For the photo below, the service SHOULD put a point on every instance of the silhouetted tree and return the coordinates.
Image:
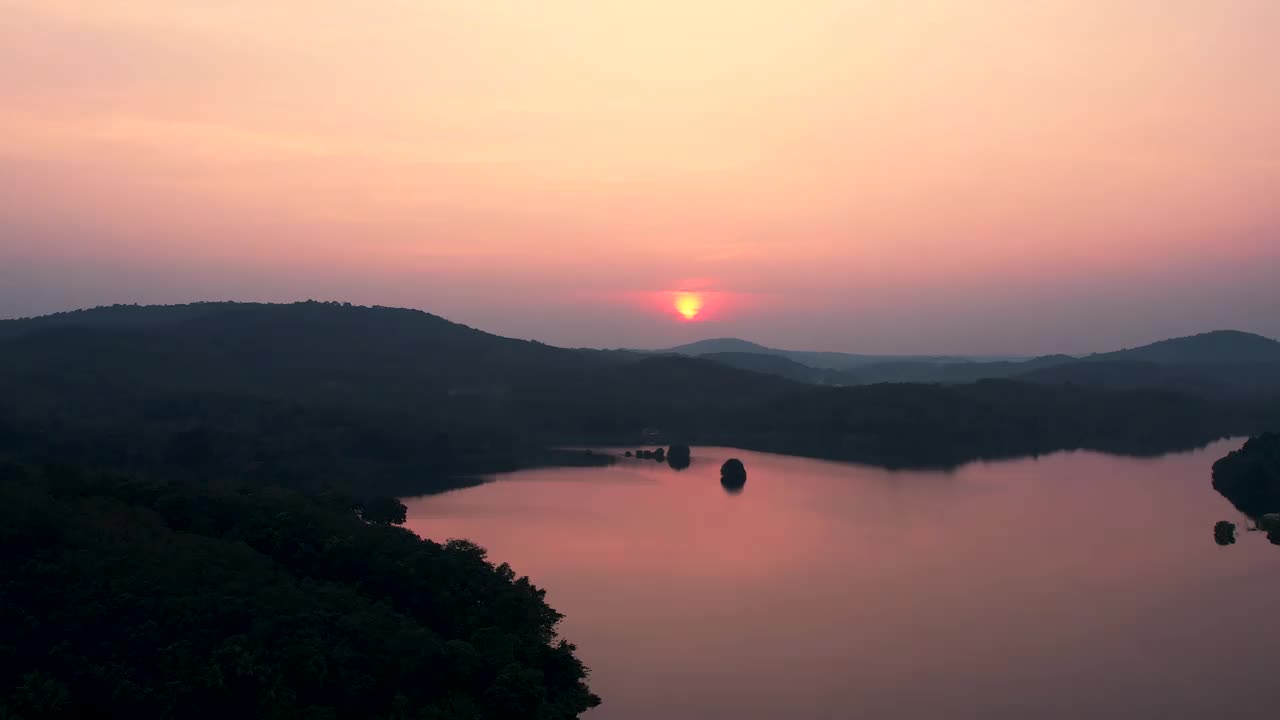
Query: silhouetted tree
(1224, 533)
(733, 474)
(1270, 523)
(678, 457)
(1250, 477)
(384, 511)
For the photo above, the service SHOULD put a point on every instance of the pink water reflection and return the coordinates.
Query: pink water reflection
(1062, 587)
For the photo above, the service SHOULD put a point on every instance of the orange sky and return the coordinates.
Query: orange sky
(908, 176)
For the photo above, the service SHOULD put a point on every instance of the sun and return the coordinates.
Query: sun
(688, 305)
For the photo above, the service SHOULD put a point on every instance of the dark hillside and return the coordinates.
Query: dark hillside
(778, 365)
(1238, 381)
(381, 400)
(945, 425)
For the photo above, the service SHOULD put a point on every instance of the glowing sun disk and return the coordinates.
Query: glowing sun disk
(688, 305)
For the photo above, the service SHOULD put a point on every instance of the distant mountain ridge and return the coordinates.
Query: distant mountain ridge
(1221, 364)
(1218, 347)
(826, 360)
(781, 366)
(1216, 361)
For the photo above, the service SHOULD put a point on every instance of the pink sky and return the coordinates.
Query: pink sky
(979, 176)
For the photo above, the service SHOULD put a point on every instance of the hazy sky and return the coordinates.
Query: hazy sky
(911, 176)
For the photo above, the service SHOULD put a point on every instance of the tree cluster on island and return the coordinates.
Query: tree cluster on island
(659, 454)
(1224, 532)
(733, 475)
(1250, 479)
(678, 457)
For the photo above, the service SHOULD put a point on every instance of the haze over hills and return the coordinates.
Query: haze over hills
(1212, 364)
(816, 359)
(780, 365)
(1222, 360)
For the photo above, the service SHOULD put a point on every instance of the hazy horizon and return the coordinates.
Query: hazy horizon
(925, 177)
(707, 327)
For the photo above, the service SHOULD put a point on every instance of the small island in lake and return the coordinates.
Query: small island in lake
(679, 457)
(1224, 533)
(733, 475)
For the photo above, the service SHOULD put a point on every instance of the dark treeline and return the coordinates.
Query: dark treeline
(945, 425)
(209, 435)
(388, 401)
(376, 399)
(197, 600)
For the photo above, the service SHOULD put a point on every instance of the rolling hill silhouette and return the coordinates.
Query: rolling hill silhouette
(402, 401)
(1222, 363)
(1219, 347)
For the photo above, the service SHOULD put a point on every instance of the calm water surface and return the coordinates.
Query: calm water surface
(1069, 586)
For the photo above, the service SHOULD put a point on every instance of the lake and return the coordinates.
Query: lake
(1066, 586)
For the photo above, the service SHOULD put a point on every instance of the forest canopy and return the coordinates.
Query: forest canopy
(1250, 477)
(173, 599)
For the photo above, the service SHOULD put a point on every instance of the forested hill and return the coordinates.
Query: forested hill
(823, 360)
(383, 354)
(315, 393)
(399, 401)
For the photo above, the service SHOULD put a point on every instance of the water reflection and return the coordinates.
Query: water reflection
(1073, 585)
